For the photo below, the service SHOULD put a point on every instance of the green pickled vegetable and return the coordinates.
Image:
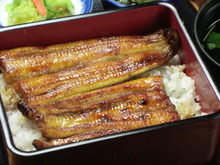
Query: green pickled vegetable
(124, 2)
(142, 1)
(213, 41)
(24, 11)
(59, 8)
(133, 2)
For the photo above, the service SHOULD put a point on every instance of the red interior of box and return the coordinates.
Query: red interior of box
(125, 22)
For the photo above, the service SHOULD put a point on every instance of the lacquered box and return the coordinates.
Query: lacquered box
(189, 141)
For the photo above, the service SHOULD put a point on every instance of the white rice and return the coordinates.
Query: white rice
(24, 131)
(179, 87)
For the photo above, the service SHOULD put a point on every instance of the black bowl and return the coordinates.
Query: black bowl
(208, 15)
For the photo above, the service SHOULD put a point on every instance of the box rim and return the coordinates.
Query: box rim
(3, 116)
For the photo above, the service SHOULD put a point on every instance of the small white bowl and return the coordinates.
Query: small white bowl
(81, 7)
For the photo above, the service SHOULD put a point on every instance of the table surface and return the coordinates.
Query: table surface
(186, 10)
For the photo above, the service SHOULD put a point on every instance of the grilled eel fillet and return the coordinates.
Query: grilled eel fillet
(143, 119)
(28, 62)
(53, 87)
(94, 98)
(145, 104)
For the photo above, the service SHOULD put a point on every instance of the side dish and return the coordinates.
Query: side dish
(132, 2)
(76, 91)
(15, 12)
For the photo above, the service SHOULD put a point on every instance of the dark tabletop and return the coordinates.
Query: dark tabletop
(186, 11)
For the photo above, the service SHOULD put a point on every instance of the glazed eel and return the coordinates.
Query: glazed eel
(144, 104)
(28, 62)
(84, 91)
(56, 86)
